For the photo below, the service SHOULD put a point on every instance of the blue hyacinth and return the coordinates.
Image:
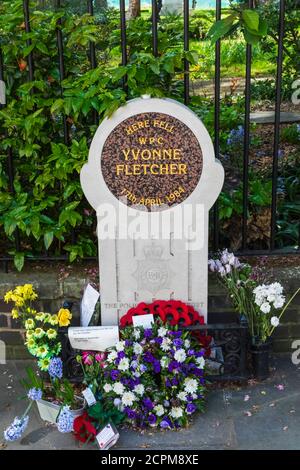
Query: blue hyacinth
(65, 420)
(55, 368)
(16, 429)
(236, 136)
(34, 394)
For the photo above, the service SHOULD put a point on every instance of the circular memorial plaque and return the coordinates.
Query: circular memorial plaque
(153, 160)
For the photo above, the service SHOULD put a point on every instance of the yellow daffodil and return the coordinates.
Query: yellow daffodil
(53, 320)
(38, 333)
(8, 296)
(64, 317)
(51, 333)
(15, 313)
(29, 324)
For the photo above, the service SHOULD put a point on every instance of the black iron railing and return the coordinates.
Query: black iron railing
(5, 257)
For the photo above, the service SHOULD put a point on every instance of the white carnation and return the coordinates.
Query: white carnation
(176, 412)
(190, 385)
(265, 307)
(162, 331)
(139, 389)
(128, 398)
(137, 333)
(180, 355)
(124, 364)
(118, 388)
(279, 301)
(107, 388)
(182, 396)
(164, 362)
(200, 362)
(187, 343)
(120, 345)
(137, 348)
(159, 410)
(112, 356)
(274, 321)
(165, 345)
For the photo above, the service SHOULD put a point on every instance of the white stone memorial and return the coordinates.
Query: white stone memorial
(152, 177)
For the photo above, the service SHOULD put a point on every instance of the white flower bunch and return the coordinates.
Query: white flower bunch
(268, 296)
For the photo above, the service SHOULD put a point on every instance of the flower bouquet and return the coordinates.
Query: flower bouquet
(156, 376)
(260, 303)
(43, 343)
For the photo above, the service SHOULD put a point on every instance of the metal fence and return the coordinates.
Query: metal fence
(217, 98)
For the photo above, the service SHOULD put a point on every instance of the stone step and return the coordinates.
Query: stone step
(268, 117)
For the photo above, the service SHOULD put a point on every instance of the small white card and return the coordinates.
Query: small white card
(146, 321)
(107, 437)
(89, 396)
(93, 338)
(88, 304)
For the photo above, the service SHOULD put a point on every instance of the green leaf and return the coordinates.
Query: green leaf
(251, 38)
(48, 239)
(251, 19)
(220, 28)
(19, 261)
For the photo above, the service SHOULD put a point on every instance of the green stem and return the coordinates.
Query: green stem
(284, 308)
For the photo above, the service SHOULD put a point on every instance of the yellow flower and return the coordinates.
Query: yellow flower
(51, 333)
(8, 296)
(44, 363)
(38, 333)
(64, 317)
(29, 324)
(53, 320)
(15, 313)
(42, 351)
(29, 333)
(19, 301)
(30, 343)
(40, 316)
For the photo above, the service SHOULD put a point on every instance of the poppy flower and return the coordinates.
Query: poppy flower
(171, 315)
(184, 319)
(83, 428)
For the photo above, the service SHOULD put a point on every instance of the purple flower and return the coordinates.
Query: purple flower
(55, 368)
(191, 352)
(148, 357)
(177, 334)
(158, 340)
(131, 414)
(143, 368)
(168, 383)
(121, 354)
(16, 429)
(166, 423)
(173, 365)
(128, 343)
(34, 394)
(148, 403)
(156, 366)
(65, 420)
(166, 403)
(178, 343)
(114, 374)
(191, 408)
(152, 419)
(174, 381)
(148, 332)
